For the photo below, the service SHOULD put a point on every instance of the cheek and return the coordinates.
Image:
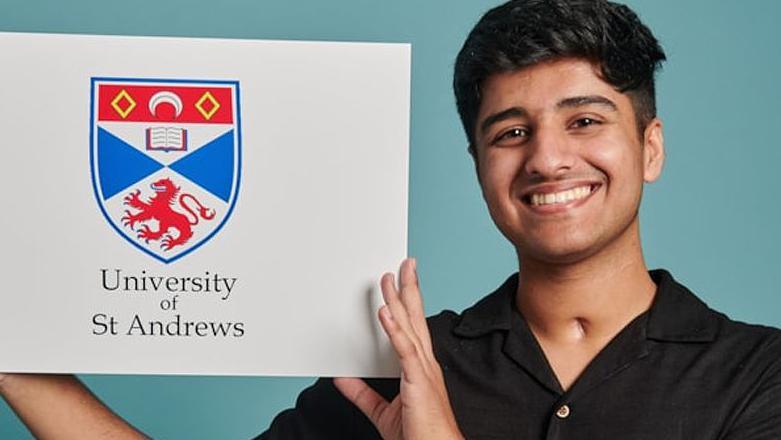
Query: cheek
(498, 171)
(621, 164)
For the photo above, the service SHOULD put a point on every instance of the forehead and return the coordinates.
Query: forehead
(542, 86)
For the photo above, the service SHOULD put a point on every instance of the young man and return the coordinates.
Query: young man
(557, 100)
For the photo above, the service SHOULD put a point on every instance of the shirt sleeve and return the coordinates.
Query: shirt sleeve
(761, 417)
(322, 413)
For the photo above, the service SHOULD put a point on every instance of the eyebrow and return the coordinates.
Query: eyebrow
(512, 112)
(578, 101)
(575, 101)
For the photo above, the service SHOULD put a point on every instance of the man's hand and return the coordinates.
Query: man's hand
(422, 408)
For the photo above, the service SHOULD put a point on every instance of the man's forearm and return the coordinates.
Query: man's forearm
(60, 407)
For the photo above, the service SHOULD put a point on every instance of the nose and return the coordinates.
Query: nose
(549, 153)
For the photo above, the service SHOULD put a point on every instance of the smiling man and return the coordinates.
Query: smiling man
(557, 100)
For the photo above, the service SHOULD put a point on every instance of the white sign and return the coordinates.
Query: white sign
(199, 206)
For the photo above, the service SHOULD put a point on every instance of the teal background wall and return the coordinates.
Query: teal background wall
(713, 218)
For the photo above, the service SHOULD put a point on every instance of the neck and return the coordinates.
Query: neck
(588, 300)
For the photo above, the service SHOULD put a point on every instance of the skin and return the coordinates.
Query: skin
(60, 407)
(543, 129)
(569, 128)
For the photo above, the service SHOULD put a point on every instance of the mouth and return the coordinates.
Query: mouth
(569, 196)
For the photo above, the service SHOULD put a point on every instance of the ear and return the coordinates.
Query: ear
(653, 151)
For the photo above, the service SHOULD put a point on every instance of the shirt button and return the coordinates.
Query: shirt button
(563, 412)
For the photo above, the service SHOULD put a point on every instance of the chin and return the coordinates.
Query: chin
(564, 252)
(568, 246)
(557, 257)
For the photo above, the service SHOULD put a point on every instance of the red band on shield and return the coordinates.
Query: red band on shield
(141, 103)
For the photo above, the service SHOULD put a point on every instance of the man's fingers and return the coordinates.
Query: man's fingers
(406, 306)
(413, 303)
(410, 357)
(403, 320)
(397, 309)
(363, 396)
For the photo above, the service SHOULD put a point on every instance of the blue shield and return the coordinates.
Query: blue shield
(165, 158)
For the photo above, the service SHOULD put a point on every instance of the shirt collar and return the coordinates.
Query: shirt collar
(494, 312)
(676, 314)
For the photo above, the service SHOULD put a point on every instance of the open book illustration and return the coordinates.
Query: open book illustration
(166, 139)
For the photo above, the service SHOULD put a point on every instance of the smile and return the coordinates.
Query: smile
(561, 197)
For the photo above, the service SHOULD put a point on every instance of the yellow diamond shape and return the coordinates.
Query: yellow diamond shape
(128, 100)
(214, 105)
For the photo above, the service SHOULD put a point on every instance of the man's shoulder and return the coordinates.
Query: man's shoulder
(740, 329)
(493, 312)
(682, 319)
(728, 329)
(748, 357)
(680, 315)
(442, 325)
(760, 339)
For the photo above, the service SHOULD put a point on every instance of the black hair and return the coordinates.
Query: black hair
(521, 33)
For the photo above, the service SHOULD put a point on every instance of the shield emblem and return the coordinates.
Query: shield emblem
(165, 157)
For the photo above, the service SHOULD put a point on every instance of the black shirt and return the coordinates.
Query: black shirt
(678, 371)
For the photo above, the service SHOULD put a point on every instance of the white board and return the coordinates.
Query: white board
(296, 151)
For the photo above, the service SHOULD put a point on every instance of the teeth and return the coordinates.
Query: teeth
(580, 192)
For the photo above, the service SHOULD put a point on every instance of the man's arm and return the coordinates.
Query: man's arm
(761, 418)
(60, 407)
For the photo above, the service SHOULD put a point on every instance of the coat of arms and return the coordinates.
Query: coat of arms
(166, 160)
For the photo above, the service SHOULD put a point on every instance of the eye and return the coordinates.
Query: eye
(512, 136)
(585, 122)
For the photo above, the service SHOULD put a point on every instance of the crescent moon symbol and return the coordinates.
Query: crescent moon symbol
(165, 96)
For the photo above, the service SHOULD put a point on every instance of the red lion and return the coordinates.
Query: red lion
(159, 207)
